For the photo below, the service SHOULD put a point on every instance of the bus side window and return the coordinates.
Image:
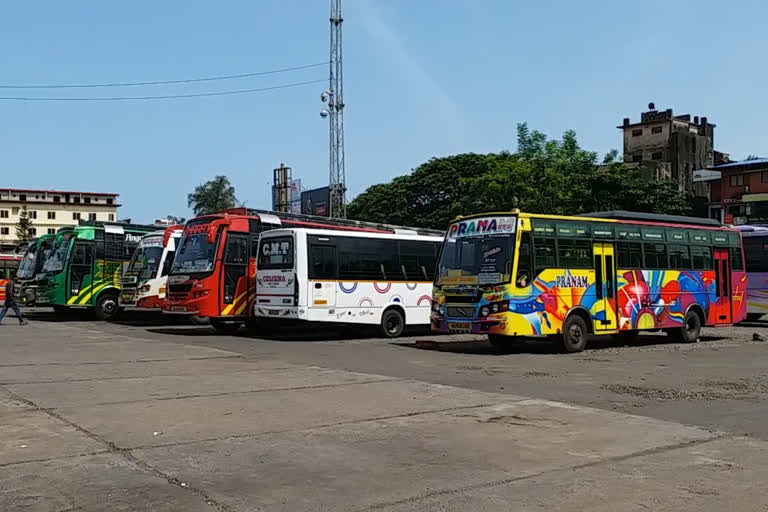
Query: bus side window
(545, 252)
(322, 259)
(524, 261)
(167, 264)
(737, 264)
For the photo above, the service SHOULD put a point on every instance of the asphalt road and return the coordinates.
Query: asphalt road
(146, 416)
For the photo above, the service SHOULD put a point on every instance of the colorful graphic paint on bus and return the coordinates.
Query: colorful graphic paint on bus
(645, 299)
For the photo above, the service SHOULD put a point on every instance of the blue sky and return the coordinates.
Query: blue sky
(422, 79)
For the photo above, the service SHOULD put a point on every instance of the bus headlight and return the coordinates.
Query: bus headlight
(494, 307)
(485, 311)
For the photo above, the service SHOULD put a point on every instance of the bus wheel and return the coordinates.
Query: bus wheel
(392, 323)
(754, 317)
(574, 337)
(225, 327)
(689, 332)
(107, 306)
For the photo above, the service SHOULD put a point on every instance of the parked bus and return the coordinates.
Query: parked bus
(145, 280)
(85, 264)
(756, 255)
(517, 274)
(9, 265)
(36, 252)
(320, 275)
(214, 272)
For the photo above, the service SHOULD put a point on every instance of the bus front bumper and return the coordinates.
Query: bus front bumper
(445, 325)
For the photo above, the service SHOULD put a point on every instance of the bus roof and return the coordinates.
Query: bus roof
(359, 234)
(654, 217)
(314, 221)
(121, 225)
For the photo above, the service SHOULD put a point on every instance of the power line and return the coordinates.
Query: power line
(168, 97)
(163, 82)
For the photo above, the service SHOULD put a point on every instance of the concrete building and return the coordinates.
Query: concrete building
(670, 146)
(744, 191)
(50, 209)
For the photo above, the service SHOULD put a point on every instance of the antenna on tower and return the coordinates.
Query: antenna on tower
(334, 98)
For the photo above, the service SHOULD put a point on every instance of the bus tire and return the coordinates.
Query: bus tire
(575, 332)
(107, 307)
(754, 317)
(392, 323)
(689, 332)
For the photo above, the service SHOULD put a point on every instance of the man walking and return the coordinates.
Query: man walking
(11, 303)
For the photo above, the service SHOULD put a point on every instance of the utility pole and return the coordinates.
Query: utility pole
(334, 97)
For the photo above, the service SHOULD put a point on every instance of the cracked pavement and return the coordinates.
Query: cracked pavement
(131, 417)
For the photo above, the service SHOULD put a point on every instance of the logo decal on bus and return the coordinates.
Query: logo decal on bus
(482, 226)
(572, 281)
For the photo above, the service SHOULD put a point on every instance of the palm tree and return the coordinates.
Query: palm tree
(212, 197)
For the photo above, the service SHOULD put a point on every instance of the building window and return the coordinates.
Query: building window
(56, 199)
(657, 129)
(51, 215)
(656, 156)
(737, 180)
(637, 132)
(3, 214)
(15, 210)
(764, 176)
(76, 216)
(637, 158)
(91, 216)
(32, 214)
(76, 199)
(110, 201)
(87, 200)
(32, 231)
(22, 197)
(112, 216)
(51, 231)
(5, 231)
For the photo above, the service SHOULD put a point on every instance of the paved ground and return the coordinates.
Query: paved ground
(151, 417)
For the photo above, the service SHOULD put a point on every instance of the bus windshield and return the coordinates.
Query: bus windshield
(484, 260)
(195, 254)
(58, 256)
(28, 263)
(276, 253)
(145, 262)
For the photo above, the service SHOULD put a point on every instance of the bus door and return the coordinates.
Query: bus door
(722, 286)
(323, 269)
(235, 284)
(80, 270)
(604, 314)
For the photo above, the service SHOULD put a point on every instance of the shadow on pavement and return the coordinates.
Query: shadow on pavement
(542, 345)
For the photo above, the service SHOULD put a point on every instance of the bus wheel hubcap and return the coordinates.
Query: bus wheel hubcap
(575, 332)
(108, 306)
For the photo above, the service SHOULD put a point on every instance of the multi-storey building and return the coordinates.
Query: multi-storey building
(669, 146)
(48, 210)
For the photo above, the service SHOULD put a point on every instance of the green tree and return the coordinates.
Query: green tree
(24, 225)
(212, 197)
(543, 176)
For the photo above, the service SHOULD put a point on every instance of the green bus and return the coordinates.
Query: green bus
(36, 252)
(84, 267)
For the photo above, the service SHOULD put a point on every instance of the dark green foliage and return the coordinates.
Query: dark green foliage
(544, 176)
(212, 197)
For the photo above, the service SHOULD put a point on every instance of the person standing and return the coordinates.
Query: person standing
(11, 303)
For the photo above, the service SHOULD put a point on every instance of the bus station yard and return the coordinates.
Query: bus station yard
(149, 416)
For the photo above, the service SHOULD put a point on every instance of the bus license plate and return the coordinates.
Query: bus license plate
(460, 327)
(179, 309)
(273, 312)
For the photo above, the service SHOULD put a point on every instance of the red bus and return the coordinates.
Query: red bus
(214, 271)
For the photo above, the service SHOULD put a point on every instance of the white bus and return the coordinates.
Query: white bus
(144, 282)
(320, 275)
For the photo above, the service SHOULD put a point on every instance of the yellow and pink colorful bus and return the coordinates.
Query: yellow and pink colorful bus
(517, 274)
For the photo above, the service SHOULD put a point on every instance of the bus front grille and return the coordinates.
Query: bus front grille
(460, 311)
